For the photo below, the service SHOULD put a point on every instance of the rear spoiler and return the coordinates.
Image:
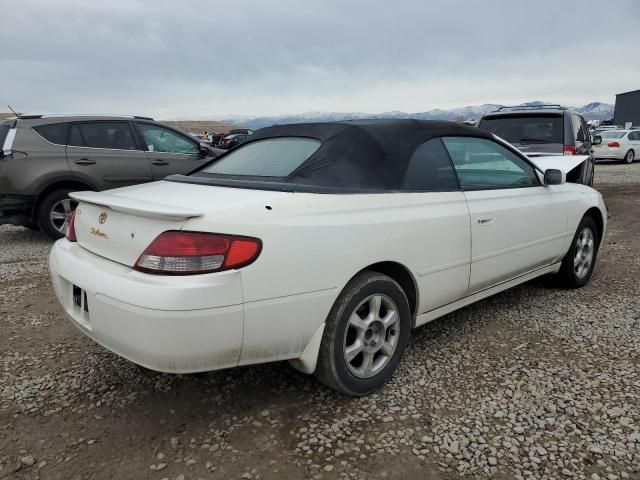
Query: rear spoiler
(566, 163)
(139, 208)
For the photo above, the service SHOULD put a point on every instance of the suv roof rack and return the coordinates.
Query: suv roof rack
(554, 106)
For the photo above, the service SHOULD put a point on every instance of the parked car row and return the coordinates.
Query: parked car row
(224, 141)
(46, 157)
(545, 130)
(555, 130)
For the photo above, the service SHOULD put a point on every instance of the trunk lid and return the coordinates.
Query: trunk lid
(120, 224)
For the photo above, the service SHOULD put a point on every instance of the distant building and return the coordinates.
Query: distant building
(627, 108)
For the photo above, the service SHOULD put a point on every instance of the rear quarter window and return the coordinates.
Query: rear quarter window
(54, 133)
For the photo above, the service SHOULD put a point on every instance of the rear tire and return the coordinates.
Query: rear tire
(579, 262)
(365, 335)
(54, 212)
(629, 157)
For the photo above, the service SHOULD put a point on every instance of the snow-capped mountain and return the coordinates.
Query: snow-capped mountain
(596, 111)
(591, 111)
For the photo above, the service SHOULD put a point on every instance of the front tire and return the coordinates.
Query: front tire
(54, 213)
(365, 336)
(629, 156)
(577, 266)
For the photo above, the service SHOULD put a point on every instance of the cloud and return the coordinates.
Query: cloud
(253, 57)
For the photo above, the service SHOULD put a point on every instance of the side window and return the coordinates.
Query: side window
(585, 129)
(580, 132)
(163, 140)
(75, 137)
(484, 164)
(109, 135)
(53, 133)
(430, 169)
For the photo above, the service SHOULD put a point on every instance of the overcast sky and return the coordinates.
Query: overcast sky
(196, 58)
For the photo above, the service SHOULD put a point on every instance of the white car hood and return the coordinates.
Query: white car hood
(565, 163)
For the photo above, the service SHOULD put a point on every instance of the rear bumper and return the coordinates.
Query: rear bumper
(151, 320)
(609, 154)
(16, 209)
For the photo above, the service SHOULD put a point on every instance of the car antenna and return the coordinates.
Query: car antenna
(14, 112)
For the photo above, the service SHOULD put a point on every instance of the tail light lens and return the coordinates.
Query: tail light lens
(569, 150)
(191, 253)
(71, 227)
(613, 145)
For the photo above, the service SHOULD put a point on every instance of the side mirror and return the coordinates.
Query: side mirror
(597, 140)
(205, 151)
(554, 177)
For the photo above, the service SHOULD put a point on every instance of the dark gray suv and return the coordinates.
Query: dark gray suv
(545, 130)
(44, 158)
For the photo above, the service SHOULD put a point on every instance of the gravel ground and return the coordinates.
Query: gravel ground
(532, 383)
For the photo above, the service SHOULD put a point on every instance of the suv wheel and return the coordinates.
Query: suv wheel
(629, 157)
(365, 336)
(54, 212)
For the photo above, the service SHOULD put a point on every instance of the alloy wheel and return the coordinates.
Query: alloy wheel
(629, 157)
(583, 257)
(371, 336)
(60, 214)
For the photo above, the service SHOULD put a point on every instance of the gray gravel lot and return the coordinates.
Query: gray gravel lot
(533, 383)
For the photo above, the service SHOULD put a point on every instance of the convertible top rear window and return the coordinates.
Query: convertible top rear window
(274, 157)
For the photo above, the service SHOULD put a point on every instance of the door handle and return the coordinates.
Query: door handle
(160, 162)
(85, 161)
(485, 220)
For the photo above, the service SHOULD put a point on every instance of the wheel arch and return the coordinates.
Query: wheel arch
(58, 184)
(598, 217)
(307, 361)
(403, 276)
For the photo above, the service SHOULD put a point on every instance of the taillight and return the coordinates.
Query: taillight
(71, 227)
(190, 253)
(569, 150)
(613, 145)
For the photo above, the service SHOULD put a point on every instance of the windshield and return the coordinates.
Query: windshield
(274, 157)
(613, 134)
(526, 129)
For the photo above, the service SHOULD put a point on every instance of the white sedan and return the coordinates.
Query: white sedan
(321, 244)
(618, 145)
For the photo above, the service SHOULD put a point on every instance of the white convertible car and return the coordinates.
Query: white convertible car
(323, 244)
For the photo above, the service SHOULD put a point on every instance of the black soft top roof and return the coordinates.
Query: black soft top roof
(353, 155)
